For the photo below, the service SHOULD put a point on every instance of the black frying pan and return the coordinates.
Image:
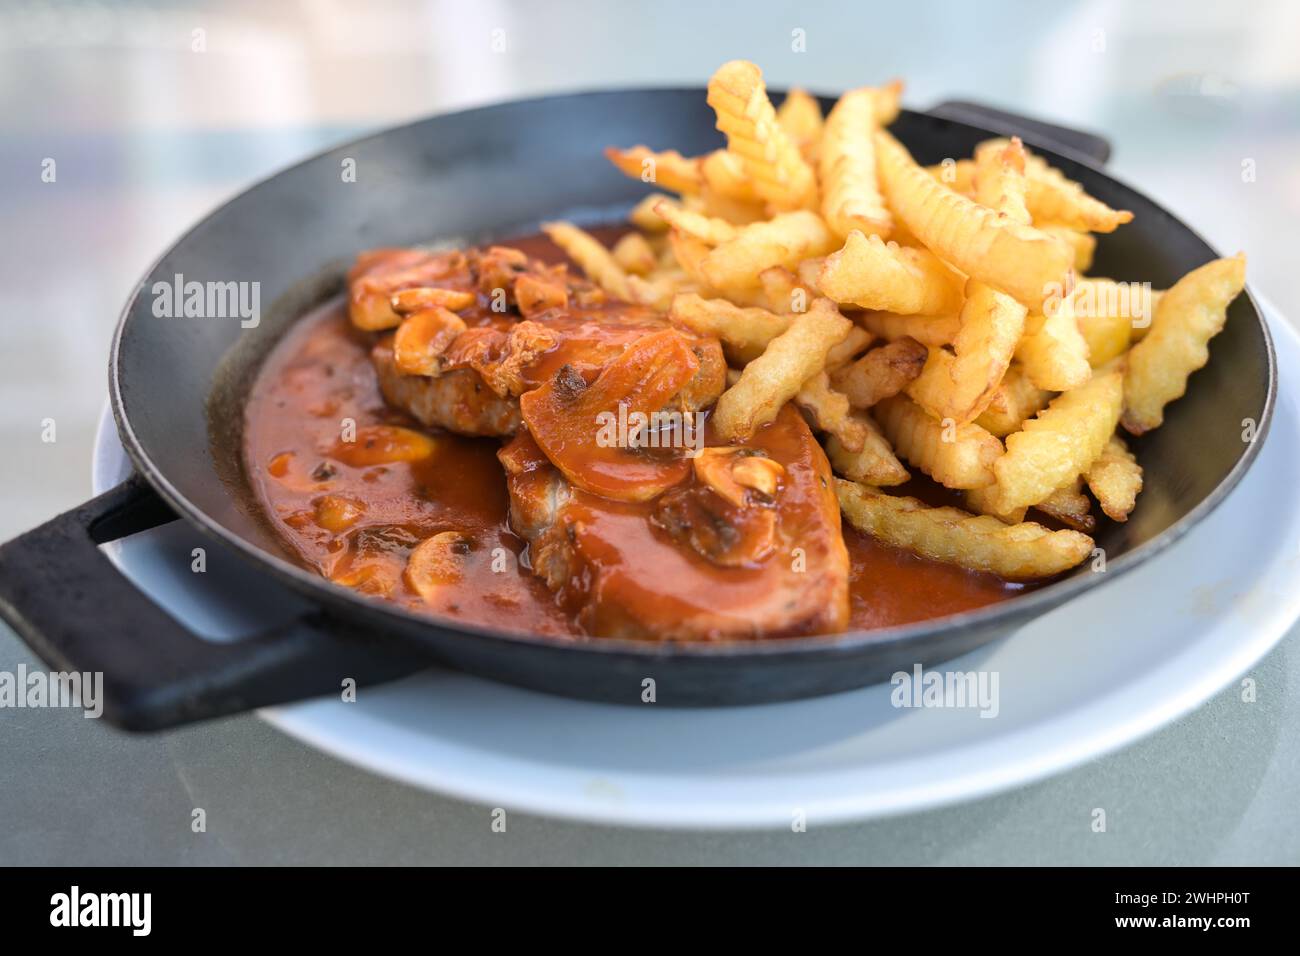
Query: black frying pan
(178, 386)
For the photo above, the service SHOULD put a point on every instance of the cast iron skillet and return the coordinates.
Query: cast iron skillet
(178, 386)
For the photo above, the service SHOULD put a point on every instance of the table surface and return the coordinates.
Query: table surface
(155, 115)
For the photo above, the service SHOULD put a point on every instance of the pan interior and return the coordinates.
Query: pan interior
(179, 383)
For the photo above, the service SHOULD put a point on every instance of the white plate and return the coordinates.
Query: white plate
(1086, 679)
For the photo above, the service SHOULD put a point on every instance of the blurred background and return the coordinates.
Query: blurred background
(154, 112)
(149, 114)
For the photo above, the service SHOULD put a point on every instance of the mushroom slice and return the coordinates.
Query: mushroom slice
(734, 472)
(437, 562)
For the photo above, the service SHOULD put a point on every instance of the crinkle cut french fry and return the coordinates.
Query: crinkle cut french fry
(961, 385)
(1052, 197)
(986, 501)
(956, 456)
(1010, 256)
(644, 216)
(929, 330)
(689, 254)
(980, 543)
(669, 168)
(735, 211)
(882, 372)
(784, 290)
(1060, 442)
(1014, 400)
(707, 229)
(957, 174)
(592, 257)
(783, 240)
(876, 275)
(800, 115)
(853, 345)
(1083, 244)
(633, 253)
(772, 379)
(1109, 313)
(1000, 181)
(851, 197)
(1115, 478)
(744, 332)
(1052, 350)
(771, 158)
(1070, 506)
(872, 461)
(724, 173)
(1190, 314)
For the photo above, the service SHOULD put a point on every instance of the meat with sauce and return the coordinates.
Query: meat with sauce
(639, 526)
(748, 545)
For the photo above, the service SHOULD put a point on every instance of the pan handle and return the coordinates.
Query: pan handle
(1035, 132)
(72, 606)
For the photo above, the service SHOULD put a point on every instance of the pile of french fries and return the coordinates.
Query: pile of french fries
(937, 319)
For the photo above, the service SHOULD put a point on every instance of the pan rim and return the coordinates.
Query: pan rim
(1011, 612)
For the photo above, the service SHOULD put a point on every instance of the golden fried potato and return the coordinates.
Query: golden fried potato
(784, 291)
(1060, 442)
(1010, 256)
(876, 275)
(851, 197)
(724, 173)
(1054, 198)
(1000, 180)
(863, 454)
(1108, 313)
(1070, 506)
(960, 385)
(1014, 400)
(829, 408)
(881, 373)
(1016, 552)
(987, 501)
(592, 257)
(957, 174)
(708, 230)
(744, 332)
(784, 240)
(854, 344)
(776, 376)
(770, 156)
(644, 216)
(1115, 478)
(669, 168)
(634, 254)
(955, 455)
(659, 289)
(735, 211)
(929, 330)
(1190, 314)
(800, 115)
(1083, 244)
(1052, 350)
